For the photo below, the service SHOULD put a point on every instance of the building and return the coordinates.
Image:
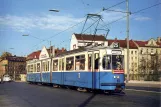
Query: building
(34, 59)
(147, 52)
(80, 40)
(13, 66)
(141, 53)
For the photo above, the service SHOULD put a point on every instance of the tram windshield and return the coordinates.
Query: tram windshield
(106, 62)
(117, 62)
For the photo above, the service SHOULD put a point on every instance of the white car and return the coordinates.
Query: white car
(6, 78)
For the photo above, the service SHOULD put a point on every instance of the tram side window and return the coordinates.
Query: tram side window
(80, 62)
(48, 65)
(34, 68)
(117, 62)
(70, 63)
(89, 61)
(55, 65)
(31, 68)
(28, 68)
(96, 60)
(38, 67)
(106, 62)
(60, 64)
(63, 64)
(43, 66)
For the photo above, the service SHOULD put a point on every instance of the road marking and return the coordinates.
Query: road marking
(143, 91)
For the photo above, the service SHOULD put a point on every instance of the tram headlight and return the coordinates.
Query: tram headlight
(118, 76)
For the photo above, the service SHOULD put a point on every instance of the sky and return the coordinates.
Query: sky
(33, 18)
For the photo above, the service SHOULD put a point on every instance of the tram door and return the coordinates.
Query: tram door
(93, 67)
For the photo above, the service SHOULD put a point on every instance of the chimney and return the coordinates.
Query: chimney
(63, 49)
(159, 39)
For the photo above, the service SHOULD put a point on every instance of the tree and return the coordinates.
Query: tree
(150, 67)
(5, 54)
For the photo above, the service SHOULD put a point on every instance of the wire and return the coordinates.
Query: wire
(78, 23)
(146, 8)
(116, 4)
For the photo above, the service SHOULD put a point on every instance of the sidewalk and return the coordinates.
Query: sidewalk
(144, 83)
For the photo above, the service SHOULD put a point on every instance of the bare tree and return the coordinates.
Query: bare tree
(149, 68)
(5, 54)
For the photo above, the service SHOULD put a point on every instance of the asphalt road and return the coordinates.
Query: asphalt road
(19, 94)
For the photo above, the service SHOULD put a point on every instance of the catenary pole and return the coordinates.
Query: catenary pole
(127, 31)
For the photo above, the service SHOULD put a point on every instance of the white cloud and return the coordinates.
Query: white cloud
(142, 18)
(21, 24)
(48, 21)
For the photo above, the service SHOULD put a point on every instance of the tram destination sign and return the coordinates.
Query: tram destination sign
(116, 52)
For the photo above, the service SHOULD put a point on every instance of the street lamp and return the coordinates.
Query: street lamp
(54, 10)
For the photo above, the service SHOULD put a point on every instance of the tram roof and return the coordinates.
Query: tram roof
(82, 49)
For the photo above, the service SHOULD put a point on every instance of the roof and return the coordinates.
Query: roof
(159, 44)
(34, 55)
(123, 43)
(90, 37)
(16, 58)
(141, 43)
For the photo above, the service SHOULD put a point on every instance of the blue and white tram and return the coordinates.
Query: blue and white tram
(99, 68)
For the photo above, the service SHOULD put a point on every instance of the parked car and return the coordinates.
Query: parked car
(7, 78)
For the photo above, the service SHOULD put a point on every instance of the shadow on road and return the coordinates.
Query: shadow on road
(87, 100)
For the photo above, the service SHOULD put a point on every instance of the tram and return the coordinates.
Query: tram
(97, 68)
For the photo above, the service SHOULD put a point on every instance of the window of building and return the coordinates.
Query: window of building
(141, 51)
(80, 62)
(135, 52)
(55, 65)
(74, 46)
(152, 51)
(70, 63)
(131, 52)
(106, 62)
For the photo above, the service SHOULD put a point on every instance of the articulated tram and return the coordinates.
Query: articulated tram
(98, 68)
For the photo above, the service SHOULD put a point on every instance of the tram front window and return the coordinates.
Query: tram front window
(117, 62)
(106, 62)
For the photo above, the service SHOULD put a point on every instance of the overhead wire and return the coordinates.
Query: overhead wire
(78, 23)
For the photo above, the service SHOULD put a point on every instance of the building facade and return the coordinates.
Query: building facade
(81, 40)
(13, 66)
(144, 56)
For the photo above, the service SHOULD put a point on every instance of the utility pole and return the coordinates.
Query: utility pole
(50, 50)
(127, 7)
